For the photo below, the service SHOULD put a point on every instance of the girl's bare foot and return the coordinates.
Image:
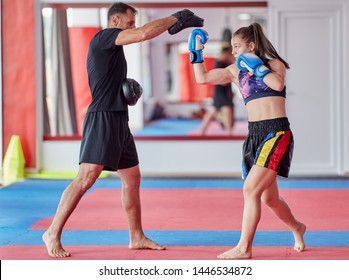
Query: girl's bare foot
(145, 243)
(298, 234)
(54, 247)
(235, 253)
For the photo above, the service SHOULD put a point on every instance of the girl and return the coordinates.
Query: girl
(260, 73)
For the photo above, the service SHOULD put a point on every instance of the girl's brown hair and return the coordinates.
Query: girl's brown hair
(263, 48)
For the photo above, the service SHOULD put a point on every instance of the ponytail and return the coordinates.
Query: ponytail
(263, 47)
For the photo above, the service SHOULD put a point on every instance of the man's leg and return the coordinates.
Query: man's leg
(131, 203)
(207, 119)
(228, 119)
(88, 174)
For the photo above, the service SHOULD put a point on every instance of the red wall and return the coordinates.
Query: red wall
(79, 39)
(189, 90)
(19, 87)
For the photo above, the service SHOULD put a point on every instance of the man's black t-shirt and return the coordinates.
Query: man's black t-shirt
(106, 68)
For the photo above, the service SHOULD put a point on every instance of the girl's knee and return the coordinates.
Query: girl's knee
(270, 201)
(251, 191)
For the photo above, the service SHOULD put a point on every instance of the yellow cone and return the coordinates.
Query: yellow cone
(13, 166)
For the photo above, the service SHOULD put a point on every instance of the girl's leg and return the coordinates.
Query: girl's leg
(257, 181)
(281, 209)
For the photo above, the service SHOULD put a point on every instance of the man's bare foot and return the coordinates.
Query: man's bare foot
(54, 247)
(235, 253)
(145, 243)
(299, 244)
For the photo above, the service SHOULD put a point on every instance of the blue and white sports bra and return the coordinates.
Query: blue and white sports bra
(252, 88)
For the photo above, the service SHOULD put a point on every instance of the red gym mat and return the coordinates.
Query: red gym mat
(172, 253)
(204, 209)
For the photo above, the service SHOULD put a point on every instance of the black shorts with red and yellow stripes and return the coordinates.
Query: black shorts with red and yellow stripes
(269, 144)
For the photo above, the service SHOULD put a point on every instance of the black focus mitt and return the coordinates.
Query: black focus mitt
(132, 91)
(185, 19)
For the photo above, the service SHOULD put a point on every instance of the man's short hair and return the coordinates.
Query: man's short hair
(119, 8)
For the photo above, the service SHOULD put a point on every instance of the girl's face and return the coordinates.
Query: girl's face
(240, 46)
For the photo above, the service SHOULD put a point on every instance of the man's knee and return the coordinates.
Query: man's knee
(130, 177)
(87, 176)
(132, 182)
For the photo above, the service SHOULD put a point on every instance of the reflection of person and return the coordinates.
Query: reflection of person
(260, 73)
(222, 97)
(158, 112)
(107, 142)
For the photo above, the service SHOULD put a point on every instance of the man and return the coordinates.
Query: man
(107, 143)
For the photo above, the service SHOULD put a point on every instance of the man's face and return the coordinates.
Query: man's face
(127, 21)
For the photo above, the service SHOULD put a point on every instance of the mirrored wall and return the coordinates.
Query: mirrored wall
(170, 104)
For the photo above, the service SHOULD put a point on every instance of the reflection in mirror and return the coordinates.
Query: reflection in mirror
(170, 107)
(66, 35)
(179, 105)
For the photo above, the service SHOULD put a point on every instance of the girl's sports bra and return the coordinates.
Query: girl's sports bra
(252, 88)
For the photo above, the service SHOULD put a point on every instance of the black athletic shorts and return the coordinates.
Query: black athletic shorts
(107, 140)
(269, 143)
(222, 98)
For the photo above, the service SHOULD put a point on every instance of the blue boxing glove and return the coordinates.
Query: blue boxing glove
(249, 62)
(196, 41)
